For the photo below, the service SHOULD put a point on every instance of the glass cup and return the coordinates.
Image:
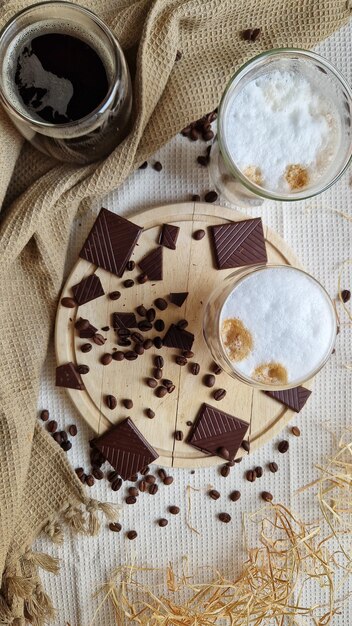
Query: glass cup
(98, 132)
(246, 188)
(214, 316)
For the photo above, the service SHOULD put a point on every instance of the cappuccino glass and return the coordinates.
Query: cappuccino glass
(80, 119)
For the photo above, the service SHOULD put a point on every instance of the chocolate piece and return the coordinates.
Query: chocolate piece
(152, 264)
(88, 289)
(215, 429)
(67, 376)
(178, 298)
(294, 399)
(111, 242)
(126, 449)
(88, 333)
(239, 243)
(178, 338)
(124, 320)
(168, 236)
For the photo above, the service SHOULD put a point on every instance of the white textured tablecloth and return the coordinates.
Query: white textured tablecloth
(322, 240)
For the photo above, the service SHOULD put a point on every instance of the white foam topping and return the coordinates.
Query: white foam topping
(289, 316)
(278, 120)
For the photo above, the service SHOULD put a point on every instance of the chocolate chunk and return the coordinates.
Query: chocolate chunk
(88, 332)
(88, 289)
(67, 376)
(178, 338)
(251, 34)
(239, 243)
(124, 320)
(111, 242)
(178, 55)
(214, 429)
(168, 236)
(126, 449)
(68, 303)
(152, 264)
(294, 399)
(178, 298)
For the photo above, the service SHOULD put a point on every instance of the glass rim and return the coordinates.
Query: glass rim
(235, 373)
(111, 91)
(235, 171)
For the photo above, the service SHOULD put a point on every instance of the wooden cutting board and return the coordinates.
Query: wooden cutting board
(188, 268)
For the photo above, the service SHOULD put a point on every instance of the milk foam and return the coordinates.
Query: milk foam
(280, 120)
(289, 317)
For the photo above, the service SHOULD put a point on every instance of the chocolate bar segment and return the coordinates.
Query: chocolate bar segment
(124, 320)
(178, 298)
(178, 338)
(126, 449)
(152, 264)
(111, 242)
(294, 399)
(67, 376)
(217, 432)
(88, 289)
(239, 243)
(168, 236)
(88, 333)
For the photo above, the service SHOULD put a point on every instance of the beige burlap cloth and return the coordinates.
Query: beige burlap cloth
(38, 488)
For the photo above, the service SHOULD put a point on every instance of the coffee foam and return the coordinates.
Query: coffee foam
(289, 317)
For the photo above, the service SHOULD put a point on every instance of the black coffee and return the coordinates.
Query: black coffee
(60, 78)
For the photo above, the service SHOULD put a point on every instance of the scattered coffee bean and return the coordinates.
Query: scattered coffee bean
(168, 480)
(138, 348)
(115, 527)
(114, 295)
(283, 446)
(219, 394)
(216, 369)
(133, 491)
(151, 315)
(345, 295)
(141, 310)
(147, 344)
(222, 451)
(224, 517)
(167, 383)
(160, 304)
(143, 166)
(111, 402)
(153, 489)
(124, 342)
(92, 442)
(106, 359)
(150, 479)
(57, 437)
(72, 429)
(149, 413)
(251, 34)
(171, 388)
(82, 369)
(225, 471)
(195, 369)
(123, 332)
(181, 360)
(258, 471)
(52, 426)
(145, 470)
(118, 355)
(128, 283)
(44, 415)
(116, 484)
(162, 522)
(142, 486)
(239, 460)
(178, 55)
(178, 435)
(202, 160)
(98, 473)
(98, 339)
(133, 478)
(82, 324)
(208, 135)
(273, 467)
(83, 479)
(105, 329)
(131, 355)
(86, 347)
(144, 326)
(267, 496)
(245, 445)
(151, 382)
(158, 342)
(130, 500)
(235, 495)
(157, 373)
(209, 380)
(230, 463)
(161, 392)
(142, 278)
(130, 266)
(79, 471)
(296, 431)
(211, 196)
(251, 476)
(162, 474)
(199, 234)
(68, 303)
(66, 446)
(174, 510)
(182, 324)
(158, 361)
(137, 337)
(132, 534)
(128, 404)
(157, 166)
(215, 495)
(195, 198)
(64, 435)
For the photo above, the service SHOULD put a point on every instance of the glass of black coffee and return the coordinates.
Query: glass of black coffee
(64, 81)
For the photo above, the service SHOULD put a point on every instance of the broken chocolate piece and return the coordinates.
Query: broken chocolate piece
(67, 376)
(178, 298)
(88, 289)
(152, 264)
(88, 333)
(168, 236)
(215, 430)
(294, 399)
(239, 243)
(178, 338)
(124, 320)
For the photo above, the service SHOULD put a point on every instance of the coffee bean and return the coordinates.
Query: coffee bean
(145, 470)
(142, 486)
(153, 489)
(158, 342)
(144, 326)
(130, 500)
(159, 326)
(239, 460)
(182, 324)
(142, 278)
(128, 404)
(202, 160)
(222, 451)
(123, 332)
(251, 476)
(181, 360)
(149, 413)
(208, 135)
(98, 473)
(118, 355)
(160, 304)
(195, 369)
(235, 495)
(345, 295)
(124, 342)
(141, 310)
(157, 166)
(66, 446)
(138, 348)
(57, 437)
(167, 383)
(161, 392)
(211, 196)
(82, 324)
(68, 303)
(245, 445)
(162, 474)
(115, 527)
(283, 446)
(151, 315)
(92, 442)
(178, 435)
(195, 198)
(79, 471)
(267, 496)
(151, 382)
(159, 361)
(44, 415)
(116, 484)
(143, 166)
(52, 426)
(114, 295)
(194, 134)
(171, 388)
(132, 534)
(131, 355)
(106, 359)
(162, 522)
(83, 479)
(130, 266)
(86, 347)
(219, 394)
(150, 479)
(174, 510)
(98, 339)
(111, 402)
(188, 354)
(82, 369)
(72, 429)
(133, 478)
(224, 517)
(295, 431)
(225, 470)
(199, 234)
(111, 476)
(147, 344)
(209, 380)
(157, 373)
(273, 467)
(137, 337)
(215, 495)
(128, 283)
(216, 369)
(105, 328)
(178, 55)
(64, 436)
(168, 480)
(258, 471)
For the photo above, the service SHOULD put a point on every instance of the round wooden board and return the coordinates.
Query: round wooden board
(188, 268)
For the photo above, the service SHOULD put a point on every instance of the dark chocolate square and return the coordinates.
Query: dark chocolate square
(178, 298)
(294, 399)
(215, 429)
(88, 333)
(67, 376)
(177, 338)
(168, 236)
(88, 289)
(124, 320)
(152, 264)
(239, 243)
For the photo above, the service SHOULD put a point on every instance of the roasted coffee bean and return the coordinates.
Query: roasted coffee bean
(182, 324)
(195, 198)
(159, 361)
(219, 394)
(267, 496)
(195, 369)
(124, 343)
(239, 460)
(90, 480)
(150, 479)
(114, 295)
(128, 404)
(142, 486)
(235, 495)
(230, 463)
(178, 435)
(178, 55)
(92, 442)
(133, 478)
(79, 471)
(157, 373)
(168, 480)
(161, 391)
(130, 500)
(130, 266)
(82, 324)
(171, 388)
(83, 479)
(149, 413)
(144, 325)
(82, 369)
(131, 355)
(66, 446)
(225, 470)
(167, 383)
(158, 342)
(188, 354)
(86, 347)
(123, 332)
(111, 476)
(151, 315)
(202, 160)
(251, 476)
(64, 435)
(224, 517)
(115, 527)
(118, 355)
(209, 380)
(216, 369)
(162, 522)
(98, 339)
(159, 326)
(273, 467)
(132, 534)
(147, 344)
(98, 473)
(160, 304)
(345, 295)
(44, 415)
(143, 166)
(215, 495)
(106, 359)
(199, 234)
(181, 360)
(151, 382)
(211, 196)
(157, 166)
(174, 510)
(153, 489)
(138, 348)
(57, 437)
(295, 431)
(194, 134)
(208, 135)
(128, 283)
(110, 402)
(258, 471)
(141, 310)
(245, 445)
(137, 337)
(162, 474)
(283, 446)
(72, 429)
(142, 278)
(68, 303)
(116, 484)
(222, 451)
(105, 329)
(52, 426)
